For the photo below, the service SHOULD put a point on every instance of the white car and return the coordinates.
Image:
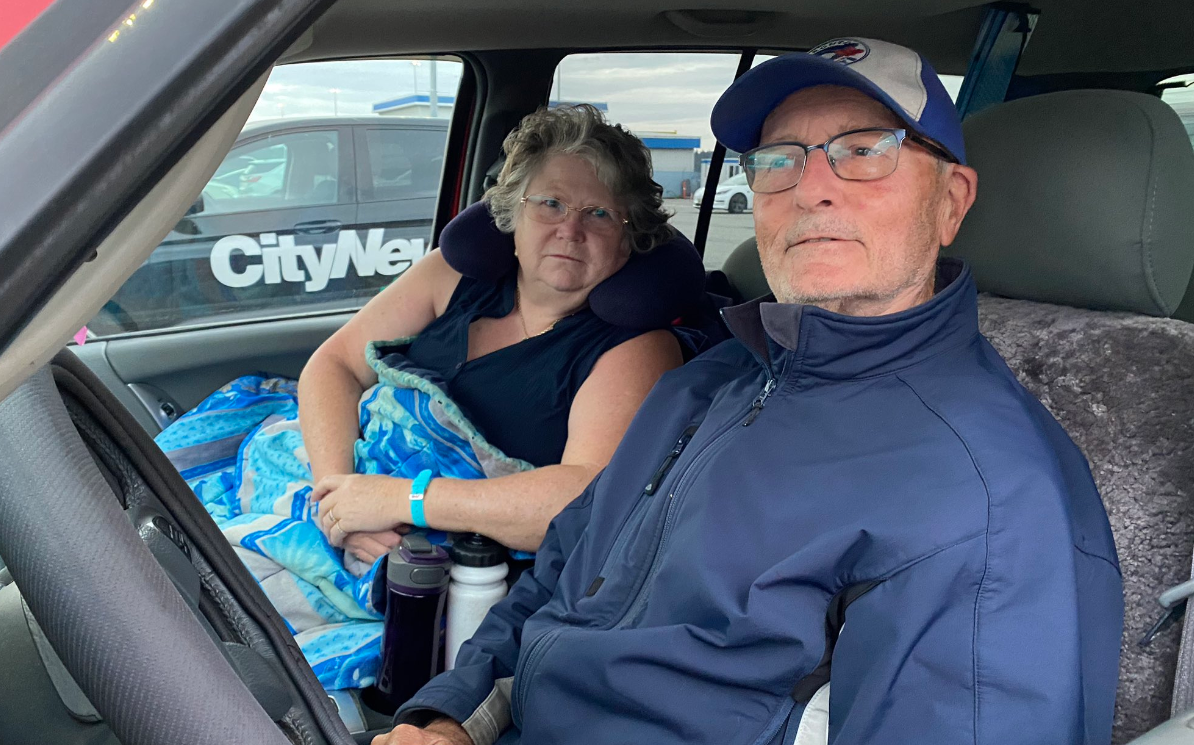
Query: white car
(732, 194)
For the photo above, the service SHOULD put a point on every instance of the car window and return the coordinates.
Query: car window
(296, 169)
(1178, 92)
(404, 163)
(326, 196)
(666, 98)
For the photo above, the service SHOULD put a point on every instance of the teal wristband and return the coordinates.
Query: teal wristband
(418, 490)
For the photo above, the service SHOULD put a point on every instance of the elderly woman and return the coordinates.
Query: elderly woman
(541, 375)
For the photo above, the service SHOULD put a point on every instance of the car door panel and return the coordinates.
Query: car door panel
(184, 367)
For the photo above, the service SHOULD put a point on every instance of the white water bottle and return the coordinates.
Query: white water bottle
(478, 583)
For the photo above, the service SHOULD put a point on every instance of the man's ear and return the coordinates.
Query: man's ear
(960, 189)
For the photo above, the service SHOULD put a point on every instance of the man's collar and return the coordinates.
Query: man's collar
(838, 346)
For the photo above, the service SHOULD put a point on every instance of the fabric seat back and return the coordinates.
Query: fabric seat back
(1083, 234)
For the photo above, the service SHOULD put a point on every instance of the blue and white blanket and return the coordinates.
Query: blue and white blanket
(242, 452)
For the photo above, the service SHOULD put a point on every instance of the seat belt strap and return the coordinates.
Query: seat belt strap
(1005, 32)
(1183, 676)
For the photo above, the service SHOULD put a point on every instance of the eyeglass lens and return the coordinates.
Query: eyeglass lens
(865, 155)
(550, 210)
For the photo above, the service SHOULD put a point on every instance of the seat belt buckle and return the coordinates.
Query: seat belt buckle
(1174, 602)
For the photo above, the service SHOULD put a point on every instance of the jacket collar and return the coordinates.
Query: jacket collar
(831, 345)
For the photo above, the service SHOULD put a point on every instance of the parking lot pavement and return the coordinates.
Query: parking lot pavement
(726, 231)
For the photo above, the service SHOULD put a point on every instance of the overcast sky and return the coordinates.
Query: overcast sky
(647, 92)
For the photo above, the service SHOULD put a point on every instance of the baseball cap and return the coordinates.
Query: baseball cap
(896, 76)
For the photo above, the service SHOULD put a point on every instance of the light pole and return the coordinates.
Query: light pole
(434, 97)
(335, 104)
(414, 75)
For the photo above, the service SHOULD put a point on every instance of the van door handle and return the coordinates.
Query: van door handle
(318, 227)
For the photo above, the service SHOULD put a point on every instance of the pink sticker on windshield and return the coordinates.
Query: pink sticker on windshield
(81, 336)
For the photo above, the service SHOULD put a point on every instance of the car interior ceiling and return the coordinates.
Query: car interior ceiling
(514, 47)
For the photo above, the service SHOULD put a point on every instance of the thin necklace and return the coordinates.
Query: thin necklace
(522, 319)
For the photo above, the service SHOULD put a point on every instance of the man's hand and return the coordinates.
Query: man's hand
(440, 732)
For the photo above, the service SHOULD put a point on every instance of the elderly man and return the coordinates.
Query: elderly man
(854, 495)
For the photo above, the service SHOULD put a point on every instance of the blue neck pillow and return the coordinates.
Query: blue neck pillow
(650, 292)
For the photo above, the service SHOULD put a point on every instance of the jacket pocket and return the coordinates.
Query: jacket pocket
(632, 526)
(524, 671)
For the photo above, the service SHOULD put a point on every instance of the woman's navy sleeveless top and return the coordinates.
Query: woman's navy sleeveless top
(519, 396)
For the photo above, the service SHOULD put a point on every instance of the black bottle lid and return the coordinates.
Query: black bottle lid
(475, 550)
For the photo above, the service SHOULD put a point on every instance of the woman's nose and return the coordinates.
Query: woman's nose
(572, 228)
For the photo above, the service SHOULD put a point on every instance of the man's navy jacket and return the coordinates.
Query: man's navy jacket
(884, 477)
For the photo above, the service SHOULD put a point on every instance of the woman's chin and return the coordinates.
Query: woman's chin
(565, 281)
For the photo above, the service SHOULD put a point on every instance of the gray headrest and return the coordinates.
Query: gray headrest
(1085, 198)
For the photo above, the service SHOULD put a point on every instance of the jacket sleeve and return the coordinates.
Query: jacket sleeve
(968, 646)
(476, 692)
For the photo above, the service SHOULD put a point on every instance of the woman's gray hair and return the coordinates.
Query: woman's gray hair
(622, 162)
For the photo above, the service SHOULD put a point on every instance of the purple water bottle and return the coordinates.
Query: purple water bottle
(416, 580)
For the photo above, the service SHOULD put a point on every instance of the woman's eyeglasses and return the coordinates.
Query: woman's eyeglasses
(857, 155)
(553, 211)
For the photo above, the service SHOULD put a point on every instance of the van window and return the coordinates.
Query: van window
(404, 164)
(298, 169)
(326, 196)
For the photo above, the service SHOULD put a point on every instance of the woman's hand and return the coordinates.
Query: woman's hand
(356, 503)
(369, 547)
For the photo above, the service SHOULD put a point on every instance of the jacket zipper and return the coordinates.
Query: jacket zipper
(640, 600)
(759, 402)
(666, 466)
(535, 651)
(652, 486)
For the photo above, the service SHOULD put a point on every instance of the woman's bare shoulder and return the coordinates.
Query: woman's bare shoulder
(647, 355)
(437, 278)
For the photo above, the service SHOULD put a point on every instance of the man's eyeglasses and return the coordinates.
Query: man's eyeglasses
(553, 211)
(857, 155)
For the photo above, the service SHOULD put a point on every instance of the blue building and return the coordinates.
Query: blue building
(673, 162)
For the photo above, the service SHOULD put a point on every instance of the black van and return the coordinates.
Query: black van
(315, 213)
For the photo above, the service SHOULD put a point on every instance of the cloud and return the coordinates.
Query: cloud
(644, 91)
(305, 89)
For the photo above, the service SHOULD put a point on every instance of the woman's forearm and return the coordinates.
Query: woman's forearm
(328, 396)
(514, 510)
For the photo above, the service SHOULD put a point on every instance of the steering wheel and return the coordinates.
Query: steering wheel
(112, 614)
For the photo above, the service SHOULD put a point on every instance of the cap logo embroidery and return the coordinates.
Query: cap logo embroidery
(846, 51)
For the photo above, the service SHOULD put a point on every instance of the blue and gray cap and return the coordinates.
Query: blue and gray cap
(896, 76)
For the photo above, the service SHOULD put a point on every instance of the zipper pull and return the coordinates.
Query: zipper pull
(669, 461)
(759, 402)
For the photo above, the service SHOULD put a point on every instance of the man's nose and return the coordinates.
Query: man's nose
(819, 186)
